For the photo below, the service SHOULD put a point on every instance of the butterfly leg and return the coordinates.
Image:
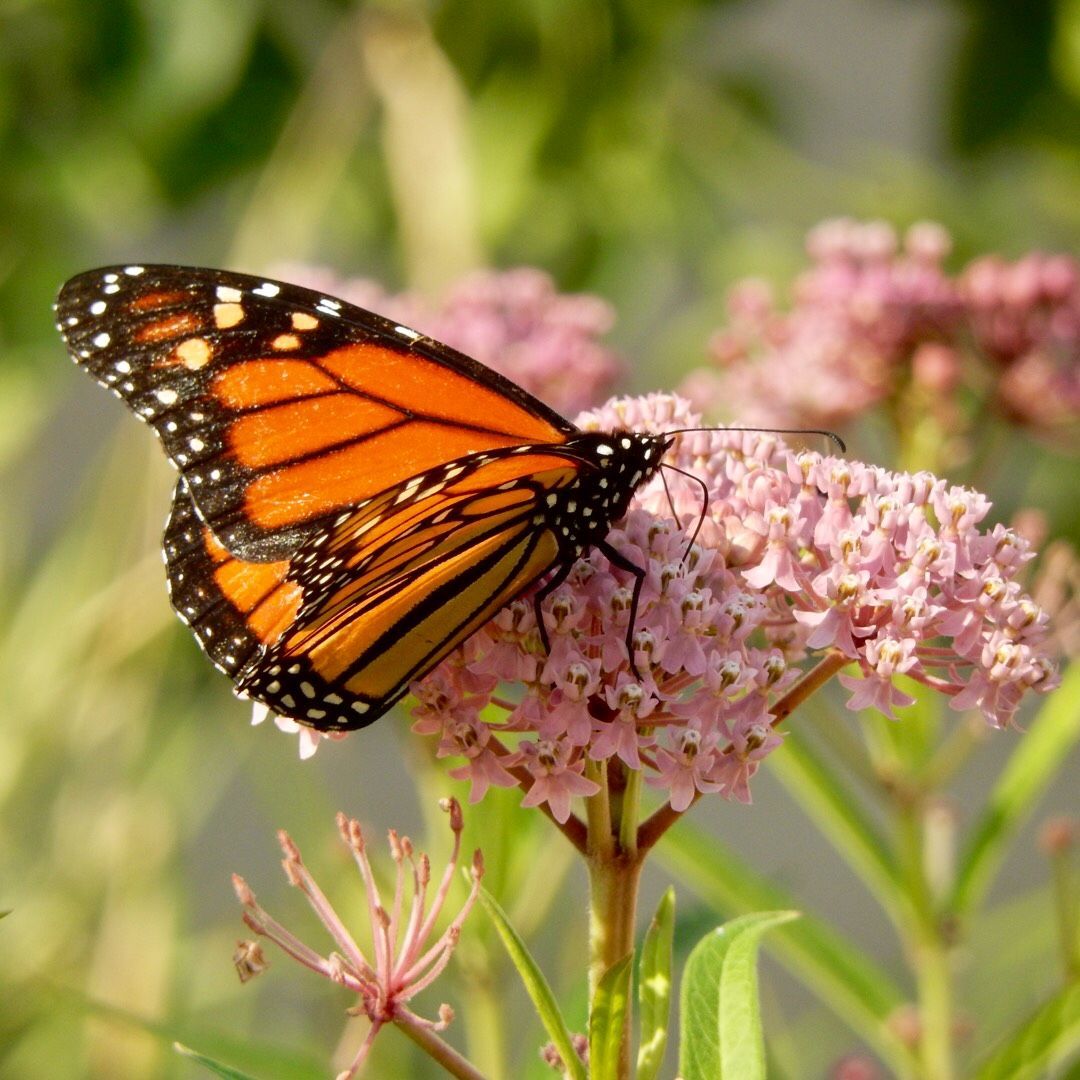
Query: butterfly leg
(542, 594)
(616, 558)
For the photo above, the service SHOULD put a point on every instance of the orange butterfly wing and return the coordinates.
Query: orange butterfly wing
(280, 406)
(334, 636)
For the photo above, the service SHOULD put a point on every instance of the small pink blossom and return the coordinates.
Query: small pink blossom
(556, 776)
(871, 309)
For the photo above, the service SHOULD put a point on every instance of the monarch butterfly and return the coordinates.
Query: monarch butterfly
(354, 499)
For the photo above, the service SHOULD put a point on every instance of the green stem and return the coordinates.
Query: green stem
(928, 949)
(613, 891)
(934, 983)
(631, 811)
(442, 1052)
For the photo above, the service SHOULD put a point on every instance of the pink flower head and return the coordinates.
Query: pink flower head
(862, 309)
(891, 570)
(870, 310)
(406, 956)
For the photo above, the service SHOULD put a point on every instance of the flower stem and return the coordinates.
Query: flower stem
(813, 680)
(929, 950)
(613, 891)
(934, 981)
(631, 811)
(438, 1049)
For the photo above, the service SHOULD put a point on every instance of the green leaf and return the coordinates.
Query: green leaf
(209, 1063)
(720, 1018)
(536, 985)
(1041, 1045)
(607, 1019)
(1038, 755)
(654, 987)
(841, 975)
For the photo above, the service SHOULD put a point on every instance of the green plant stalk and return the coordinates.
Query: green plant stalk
(614, 880)
(615, 862)
(928, 951)
(934, 984)
(440, 1051)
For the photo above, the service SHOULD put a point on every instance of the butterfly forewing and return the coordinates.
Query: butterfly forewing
(280, 406)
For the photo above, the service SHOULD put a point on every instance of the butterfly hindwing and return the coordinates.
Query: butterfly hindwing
(234, 608)
(280, 406)
(389, 590)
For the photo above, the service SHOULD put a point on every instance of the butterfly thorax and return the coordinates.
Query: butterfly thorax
(613, 466)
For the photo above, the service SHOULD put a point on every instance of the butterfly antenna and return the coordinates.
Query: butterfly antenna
(830, 435)
(704, 502)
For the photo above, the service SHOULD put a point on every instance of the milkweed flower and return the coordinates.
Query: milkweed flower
(859, 311)
(799, 559)
(875, 314)
(406, 955)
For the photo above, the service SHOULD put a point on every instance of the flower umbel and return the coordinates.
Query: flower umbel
(405, 957)
(803, 564)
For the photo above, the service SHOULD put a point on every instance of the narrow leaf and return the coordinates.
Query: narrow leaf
(1038, 755)
(537, 986)
(1044, 1042)
(209, 1063)
(720, 1014)
(607, 1019)
(654, 987)
(841, 975)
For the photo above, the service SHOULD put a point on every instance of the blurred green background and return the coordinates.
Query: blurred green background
(649, 152)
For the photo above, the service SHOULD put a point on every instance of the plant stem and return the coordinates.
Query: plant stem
(934, 979)
(613, 891)
(453, 1062)
(929, 950)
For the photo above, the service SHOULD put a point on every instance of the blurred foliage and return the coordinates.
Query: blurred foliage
(629, 148)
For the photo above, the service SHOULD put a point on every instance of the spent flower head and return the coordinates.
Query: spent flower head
(406, 955)
(801, 560)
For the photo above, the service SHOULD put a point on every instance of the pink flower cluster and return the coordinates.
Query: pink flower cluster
(513, 321)
(871, 313)
(1025, 317)
(800, 560)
